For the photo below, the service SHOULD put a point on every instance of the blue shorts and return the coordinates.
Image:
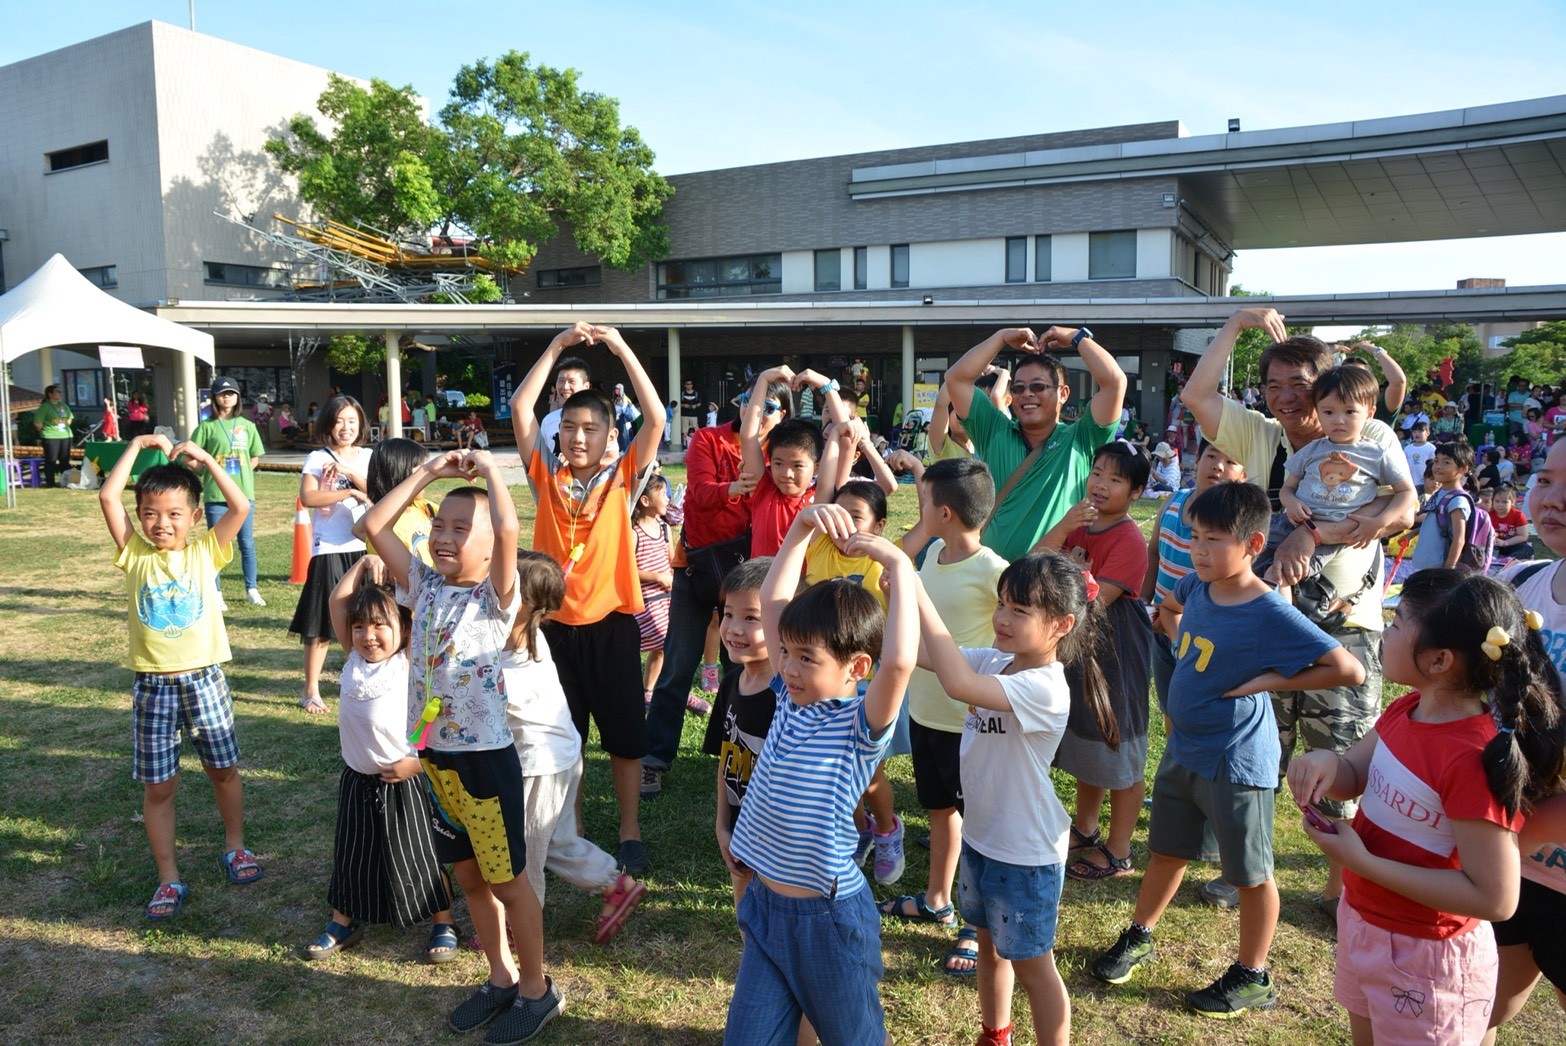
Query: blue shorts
(196, 702)
(1018, 905)
(812, 956)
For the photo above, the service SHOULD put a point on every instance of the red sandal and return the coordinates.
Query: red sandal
(622, 900)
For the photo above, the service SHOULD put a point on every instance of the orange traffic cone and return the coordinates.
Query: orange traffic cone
(301, 567)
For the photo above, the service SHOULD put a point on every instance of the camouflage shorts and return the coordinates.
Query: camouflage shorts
(1333, 719)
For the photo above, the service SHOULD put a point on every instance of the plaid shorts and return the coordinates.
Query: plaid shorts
(196, 702)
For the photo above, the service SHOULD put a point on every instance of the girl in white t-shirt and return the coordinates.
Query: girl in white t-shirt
(383, 862)
(550, 750)
(333, 485)
(1014, 828)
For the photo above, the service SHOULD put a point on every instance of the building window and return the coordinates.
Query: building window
(1016, 259)
(247, 275)
(82, 389)
(101, 276)
(716, 277)
(861, 268)
(79, 156)
(1042, 265)
(899, 265)
(829, 270)
(1112, 255)
(582, 276)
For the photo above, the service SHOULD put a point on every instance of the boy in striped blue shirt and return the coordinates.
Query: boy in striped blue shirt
(812, 933)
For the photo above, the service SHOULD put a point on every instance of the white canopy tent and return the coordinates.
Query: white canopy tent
(58, 306)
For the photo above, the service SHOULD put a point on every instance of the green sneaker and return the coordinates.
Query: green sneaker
(1233, 993)
(1129, 952)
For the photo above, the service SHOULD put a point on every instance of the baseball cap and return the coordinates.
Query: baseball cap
(222, 385)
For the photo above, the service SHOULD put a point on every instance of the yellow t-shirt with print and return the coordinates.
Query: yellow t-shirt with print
(824, 561)
(412, 528)
(175, 625)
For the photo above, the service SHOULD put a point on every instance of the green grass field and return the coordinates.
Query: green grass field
(80, 963)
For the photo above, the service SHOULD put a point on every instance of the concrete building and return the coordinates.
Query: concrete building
(116, 152)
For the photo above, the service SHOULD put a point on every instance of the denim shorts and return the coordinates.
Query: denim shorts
(1018, 905)
(810, 956)
(196, 702)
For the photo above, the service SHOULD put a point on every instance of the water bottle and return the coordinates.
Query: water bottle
(1489, 438)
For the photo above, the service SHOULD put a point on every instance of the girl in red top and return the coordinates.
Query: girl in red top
(1431, 858)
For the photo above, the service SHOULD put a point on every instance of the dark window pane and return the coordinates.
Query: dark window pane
(861, 268)
(1016, 259)
(1041, 259)
(899, 265)
(1112, 255)
(829, 270)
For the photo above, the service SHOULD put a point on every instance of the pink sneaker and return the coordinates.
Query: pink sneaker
(698, 705)
(709, 678)
(889, 860)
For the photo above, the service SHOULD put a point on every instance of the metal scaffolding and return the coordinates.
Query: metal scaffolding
(361, 264)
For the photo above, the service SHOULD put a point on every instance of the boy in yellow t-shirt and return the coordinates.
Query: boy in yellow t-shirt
(177, 645)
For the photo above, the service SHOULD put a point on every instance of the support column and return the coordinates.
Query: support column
(45, 368)
(189, 402)
(675, 384)
(908, 370)
(393, 387)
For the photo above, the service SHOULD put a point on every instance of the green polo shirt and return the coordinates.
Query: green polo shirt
(222, 437)
(53, 420)
(1055, 482)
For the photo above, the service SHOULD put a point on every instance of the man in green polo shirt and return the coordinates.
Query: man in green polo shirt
(1053, 478)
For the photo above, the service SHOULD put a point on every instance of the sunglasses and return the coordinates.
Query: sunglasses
(768, 407)
(1038, 388)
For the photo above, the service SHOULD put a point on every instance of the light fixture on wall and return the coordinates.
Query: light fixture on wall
(1169, 199)
(1234, 125)
(929, 300)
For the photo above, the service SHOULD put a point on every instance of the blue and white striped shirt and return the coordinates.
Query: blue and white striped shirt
(796, 825)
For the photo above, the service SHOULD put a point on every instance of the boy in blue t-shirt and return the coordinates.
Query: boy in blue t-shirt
(1235, 640)
(812, 932)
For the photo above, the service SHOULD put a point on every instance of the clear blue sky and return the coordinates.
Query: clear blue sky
(714, 85)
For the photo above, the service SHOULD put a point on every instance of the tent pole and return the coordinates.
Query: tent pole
(10, 450)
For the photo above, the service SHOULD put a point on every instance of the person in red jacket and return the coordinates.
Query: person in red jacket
(715, 539)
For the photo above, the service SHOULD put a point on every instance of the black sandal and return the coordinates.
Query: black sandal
(966, 935)
(1083, 842)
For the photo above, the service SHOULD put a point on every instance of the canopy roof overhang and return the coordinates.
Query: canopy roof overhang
(1491, 170)
(260, 322)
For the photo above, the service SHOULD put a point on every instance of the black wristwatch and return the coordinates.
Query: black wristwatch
(1076, 339)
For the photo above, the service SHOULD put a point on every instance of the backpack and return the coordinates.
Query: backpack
(1479, 548)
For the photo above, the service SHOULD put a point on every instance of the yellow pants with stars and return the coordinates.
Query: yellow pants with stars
(480, 810)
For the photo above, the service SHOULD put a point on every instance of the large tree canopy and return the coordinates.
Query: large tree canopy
(518, 150)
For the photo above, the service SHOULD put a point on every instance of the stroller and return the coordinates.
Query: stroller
(914, 436)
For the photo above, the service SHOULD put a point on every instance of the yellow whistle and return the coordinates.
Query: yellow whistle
(426, 720)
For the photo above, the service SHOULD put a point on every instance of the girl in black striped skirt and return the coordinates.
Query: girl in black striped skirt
(383, 864)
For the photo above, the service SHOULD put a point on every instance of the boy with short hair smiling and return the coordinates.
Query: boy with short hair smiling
(177, 646)
(1101, 531)
(812, 938)
(1236, 639)
(584, 523)
(787, 466)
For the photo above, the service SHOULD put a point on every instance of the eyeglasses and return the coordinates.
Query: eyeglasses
(770, 407)
(1038, 388)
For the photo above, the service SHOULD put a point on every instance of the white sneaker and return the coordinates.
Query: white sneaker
(253, 596)
(222, 605)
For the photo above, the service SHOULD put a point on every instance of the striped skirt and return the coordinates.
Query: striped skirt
(383, 864)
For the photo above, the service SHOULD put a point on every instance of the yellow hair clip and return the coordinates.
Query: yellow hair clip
(1494, 640)
(1534, 619)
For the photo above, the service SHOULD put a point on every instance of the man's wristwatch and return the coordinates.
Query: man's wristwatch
(831, 386)
(1082, 332)
(1315, 535)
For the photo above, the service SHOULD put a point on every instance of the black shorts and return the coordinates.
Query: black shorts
(937, 766)
(1538, 923)
(480, 809)
(600, 669)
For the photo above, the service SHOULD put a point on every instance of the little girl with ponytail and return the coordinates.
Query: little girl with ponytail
(1446, 775)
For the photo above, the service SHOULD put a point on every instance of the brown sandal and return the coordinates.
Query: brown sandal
(1086, 871)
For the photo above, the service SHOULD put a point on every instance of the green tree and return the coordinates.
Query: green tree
(376, 168)
(530, 149)
(1539, 355)
(520, 150)
(1245, 364)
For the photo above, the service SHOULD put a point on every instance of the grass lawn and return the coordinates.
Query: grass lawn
(80, 961)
